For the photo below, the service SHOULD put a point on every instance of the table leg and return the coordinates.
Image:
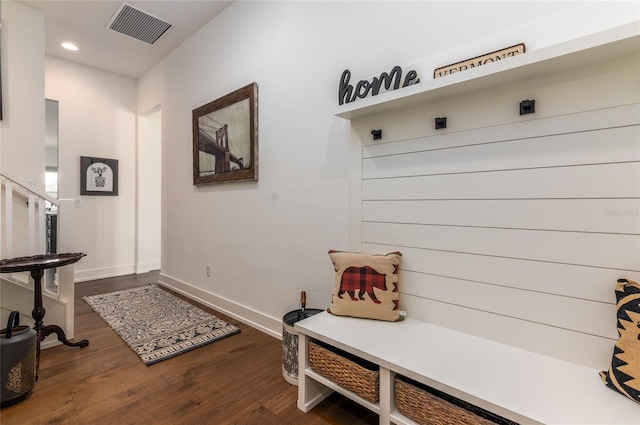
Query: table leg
(38, 314)
(50, 329)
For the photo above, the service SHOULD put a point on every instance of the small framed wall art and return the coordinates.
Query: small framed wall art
(225, 138)
(98, 176)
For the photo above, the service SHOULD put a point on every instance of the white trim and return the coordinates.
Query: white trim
(50, 343)
(84, 275)
(146, 267)
(269, 325)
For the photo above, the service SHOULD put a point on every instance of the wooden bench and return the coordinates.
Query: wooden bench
(519, 385)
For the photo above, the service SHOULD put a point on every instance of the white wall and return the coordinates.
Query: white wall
(23, 125)
(97, 118)
(22, 130)
(267, 241)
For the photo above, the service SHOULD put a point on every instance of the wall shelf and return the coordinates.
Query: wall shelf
(616, 43)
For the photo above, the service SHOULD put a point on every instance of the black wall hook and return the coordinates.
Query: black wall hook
(527, 107)
(441, 122)
(377, 134)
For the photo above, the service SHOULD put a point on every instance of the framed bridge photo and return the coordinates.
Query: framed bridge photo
(225, 138)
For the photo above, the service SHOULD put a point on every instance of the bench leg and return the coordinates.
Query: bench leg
(310, 391)
(387, 396)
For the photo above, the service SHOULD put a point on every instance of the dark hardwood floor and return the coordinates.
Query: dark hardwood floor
(237, 380)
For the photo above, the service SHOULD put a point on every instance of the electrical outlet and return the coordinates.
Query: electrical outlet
(208, 270)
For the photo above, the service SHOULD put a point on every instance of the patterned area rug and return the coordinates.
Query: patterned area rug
(156, 324)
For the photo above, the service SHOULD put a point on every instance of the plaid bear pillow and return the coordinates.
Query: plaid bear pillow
(366, 285)
(624, 373)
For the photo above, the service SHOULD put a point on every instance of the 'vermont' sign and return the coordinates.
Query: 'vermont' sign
(478, 61)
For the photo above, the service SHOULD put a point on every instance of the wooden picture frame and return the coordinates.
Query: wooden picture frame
(225, 138)
(98, 176)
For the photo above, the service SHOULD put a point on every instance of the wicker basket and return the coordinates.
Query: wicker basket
(428, 406)
(348, 371)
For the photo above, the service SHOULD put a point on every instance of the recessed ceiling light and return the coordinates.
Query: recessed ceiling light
(69, 46)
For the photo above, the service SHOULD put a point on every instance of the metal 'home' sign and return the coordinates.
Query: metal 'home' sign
(347, 93)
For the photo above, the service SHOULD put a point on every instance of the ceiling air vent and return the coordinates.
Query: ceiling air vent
(136, 24)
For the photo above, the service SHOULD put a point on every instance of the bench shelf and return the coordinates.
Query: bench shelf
(374, 407)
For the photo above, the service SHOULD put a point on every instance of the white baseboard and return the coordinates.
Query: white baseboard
(84, 275)
(146, 267)
(50, 342)
(253, 318)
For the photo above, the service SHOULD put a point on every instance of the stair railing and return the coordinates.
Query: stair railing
(61, 289)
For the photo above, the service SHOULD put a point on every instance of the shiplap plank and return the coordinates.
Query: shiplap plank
(622, 116)
(582, 282)
(587, 215)
(576, 347)
(591, 147)
(593, 181)
(534, 307)
(590, 249)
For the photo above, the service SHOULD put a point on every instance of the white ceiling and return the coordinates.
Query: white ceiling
(84, 22)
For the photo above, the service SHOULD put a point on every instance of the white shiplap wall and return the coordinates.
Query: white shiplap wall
(514, 228)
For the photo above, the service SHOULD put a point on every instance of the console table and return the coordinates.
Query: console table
(36, 265)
